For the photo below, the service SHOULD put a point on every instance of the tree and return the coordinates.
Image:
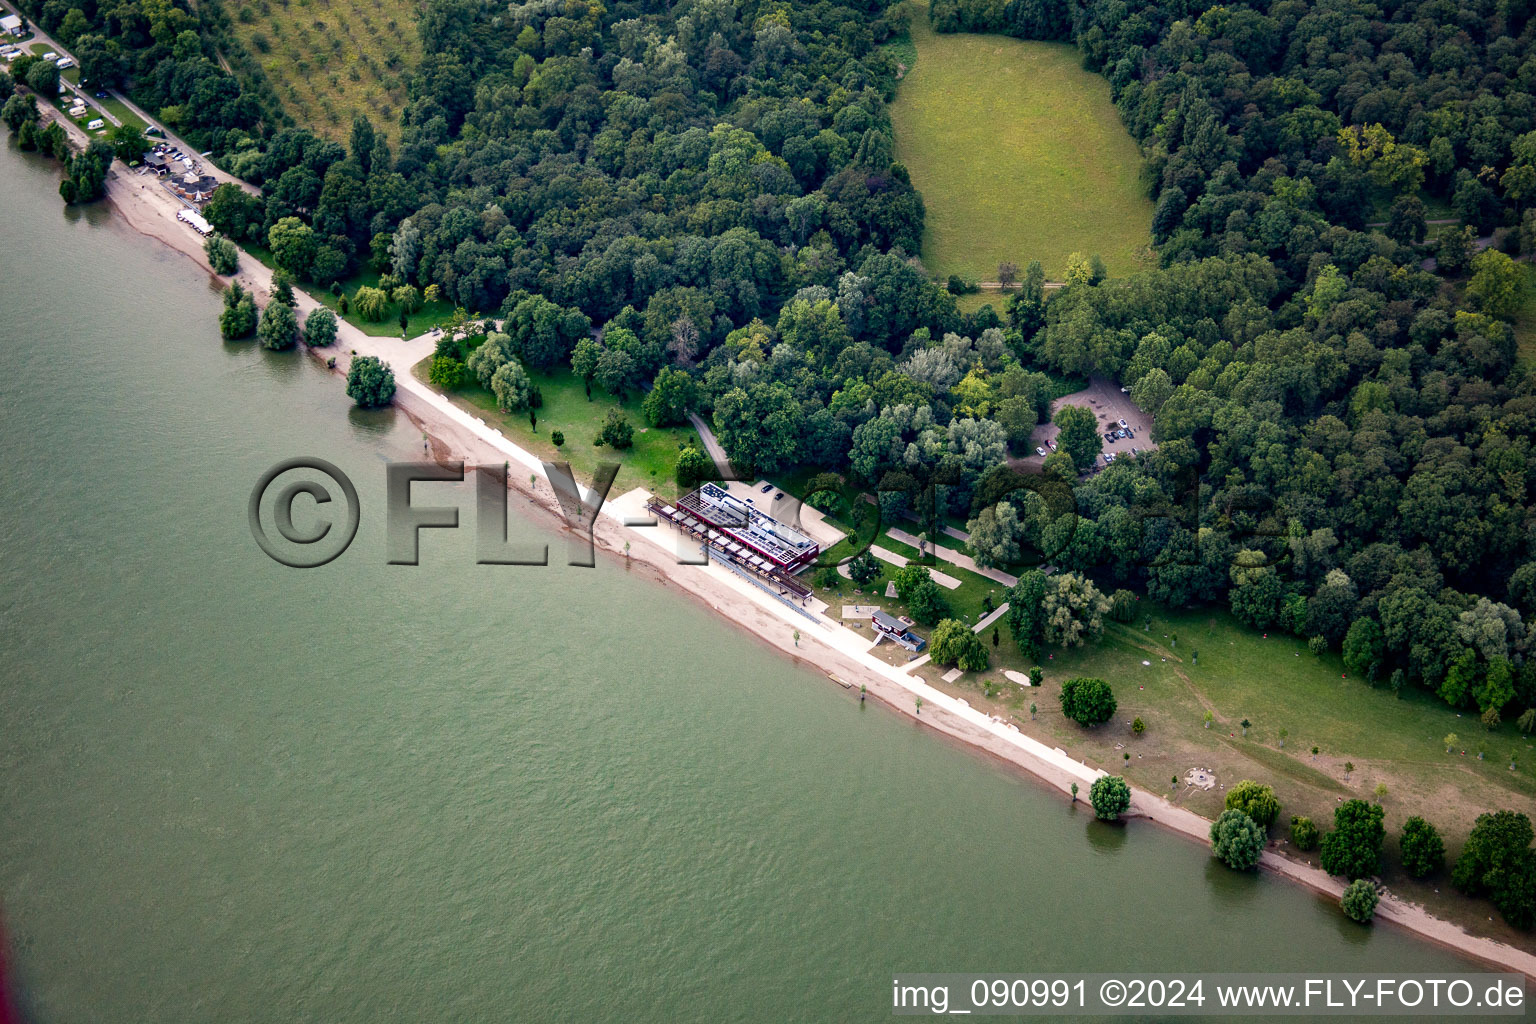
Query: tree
(927, 603)
(1405, 220)
(370, 383)
(238, 318)
(1026, 619)
(222, 254)
(371, 304)
(584, 361)
(1237, 840)
(1138, 726)
(1454, 254)
(279, 327)
(672, 395)
(1256, 800)
(1359, 900)
(1497, 285)
(293, 246)
(1087, 701)
(511, 386)
(1079, 269)
(282, 288)
(1497, 841)
(1304, 834)
(864, 568)
(1422, 848)
(447, 373)
(320, 328)
(1072, 611)
(1364, 648)
(1079, 435)
(616, 431)
(1353, 848)
(693, 466)
(953, 643)
(1110, 797)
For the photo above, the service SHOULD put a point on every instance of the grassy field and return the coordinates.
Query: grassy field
(1019, 154)
(650, 463)
(1276, 684)
(331, 59)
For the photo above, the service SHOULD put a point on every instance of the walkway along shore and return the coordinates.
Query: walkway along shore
(825, 646)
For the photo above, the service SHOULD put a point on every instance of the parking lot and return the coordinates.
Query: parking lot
(1110, 405)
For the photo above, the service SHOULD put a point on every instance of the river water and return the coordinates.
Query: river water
(232, 791)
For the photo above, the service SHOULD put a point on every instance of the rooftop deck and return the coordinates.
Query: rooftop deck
(739, 518)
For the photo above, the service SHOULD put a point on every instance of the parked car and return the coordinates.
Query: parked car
(1130, 433)
(65, 62)
(1124, 424)
(778, 495)
(1105, 457)
(766, 488)
(1051, 444)
(1040, 452)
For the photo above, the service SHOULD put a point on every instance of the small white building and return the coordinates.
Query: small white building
(199, 225)
(11, 25)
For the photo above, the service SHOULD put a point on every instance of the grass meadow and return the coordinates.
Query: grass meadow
(651, 462)
(1020, 156)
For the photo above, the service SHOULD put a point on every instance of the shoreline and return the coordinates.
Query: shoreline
(150, 210)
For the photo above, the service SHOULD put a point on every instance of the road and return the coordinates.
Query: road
(39, 37)
(722, 461)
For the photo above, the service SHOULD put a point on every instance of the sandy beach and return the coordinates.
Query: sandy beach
(826, 647)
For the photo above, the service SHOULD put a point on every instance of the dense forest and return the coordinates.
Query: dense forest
(703, 198)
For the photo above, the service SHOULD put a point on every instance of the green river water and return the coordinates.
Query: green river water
(232, 791)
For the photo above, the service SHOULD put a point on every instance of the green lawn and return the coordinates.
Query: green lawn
(430, 315)
(1019, 154)
(650, 463)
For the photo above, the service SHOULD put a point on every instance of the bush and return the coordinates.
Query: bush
(320, 328)
(1110, 797)
(953, 643)
(370, 383)
(557, 438)
(446, 372)
(1423, 849)
(1498, 862)
(1237, 840)
(279, 328)
(1255, 800)
(238, 318)
(616, 430)
(1304, 834)
(372, 304)
(1087, 701)
(1359, 900)
(222, 254)
(1353, 848)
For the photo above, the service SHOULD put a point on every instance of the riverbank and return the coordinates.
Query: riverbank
(828, 647)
